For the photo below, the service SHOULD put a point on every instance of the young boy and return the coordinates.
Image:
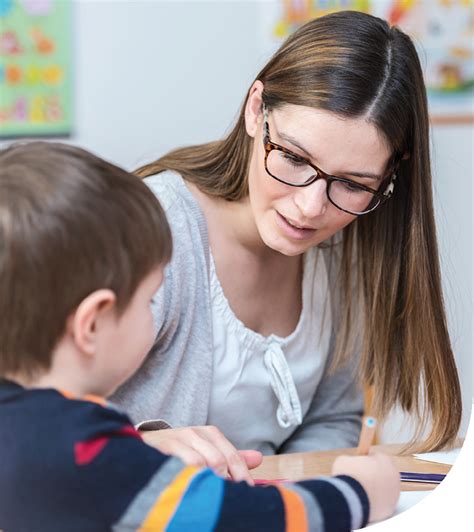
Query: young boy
(75, 291)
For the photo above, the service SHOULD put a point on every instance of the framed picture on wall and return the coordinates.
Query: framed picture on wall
(35, 68)
(443, 32)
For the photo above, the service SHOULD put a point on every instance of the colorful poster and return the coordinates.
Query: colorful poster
(35, 67)
(443, 31)
(297, 12)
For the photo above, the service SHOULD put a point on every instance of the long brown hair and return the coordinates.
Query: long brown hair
(355, 65)
(68, 226)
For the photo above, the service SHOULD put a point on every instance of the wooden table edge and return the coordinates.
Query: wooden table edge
(303, 466)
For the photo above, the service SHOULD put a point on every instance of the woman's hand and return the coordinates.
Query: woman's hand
(205, 446)
(379, 478)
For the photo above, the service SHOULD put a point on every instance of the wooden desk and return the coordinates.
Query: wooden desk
(299, 466)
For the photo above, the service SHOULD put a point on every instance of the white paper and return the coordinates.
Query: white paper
(407, 500)
(442, 457)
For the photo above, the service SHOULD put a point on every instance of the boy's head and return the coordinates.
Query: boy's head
(82, 248)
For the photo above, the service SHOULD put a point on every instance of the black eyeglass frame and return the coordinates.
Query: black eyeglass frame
(379, 196)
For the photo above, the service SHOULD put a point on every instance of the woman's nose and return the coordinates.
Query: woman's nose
(312, 201)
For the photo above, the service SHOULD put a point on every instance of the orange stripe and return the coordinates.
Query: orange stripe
(165, 507)
(66, 394)
(295, 511)
(95, 399)
(92, 398)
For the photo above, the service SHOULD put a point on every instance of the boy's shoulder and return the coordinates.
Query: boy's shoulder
(52, 424)
(59, 452)
(42, 406)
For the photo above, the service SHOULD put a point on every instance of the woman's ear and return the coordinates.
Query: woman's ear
(85, 324)
(253, 108)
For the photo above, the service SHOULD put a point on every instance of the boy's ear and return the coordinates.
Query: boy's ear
(91, 314)
(253, 108)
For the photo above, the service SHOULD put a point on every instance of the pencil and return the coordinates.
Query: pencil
(366, 435)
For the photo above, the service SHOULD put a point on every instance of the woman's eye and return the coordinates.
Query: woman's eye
(353, 187)
(293, 160)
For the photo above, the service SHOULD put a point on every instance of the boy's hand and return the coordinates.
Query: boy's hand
(379, 478)
(205, 446)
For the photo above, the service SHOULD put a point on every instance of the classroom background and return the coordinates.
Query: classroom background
(148, 76)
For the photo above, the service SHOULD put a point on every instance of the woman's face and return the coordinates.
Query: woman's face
(289, 219)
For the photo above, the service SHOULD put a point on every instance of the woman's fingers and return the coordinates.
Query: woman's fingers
(211, 454)
(252, 458)
(183, 451)
(206, 446)
(236, 465)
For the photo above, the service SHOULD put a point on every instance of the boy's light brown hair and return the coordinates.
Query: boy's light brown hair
(70, 224)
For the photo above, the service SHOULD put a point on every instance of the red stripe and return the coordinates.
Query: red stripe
(128, 430)
(86, 451)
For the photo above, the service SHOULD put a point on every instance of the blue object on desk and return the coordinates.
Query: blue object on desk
(431, 478)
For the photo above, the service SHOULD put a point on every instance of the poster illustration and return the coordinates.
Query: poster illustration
(443, 32)
(35, 75)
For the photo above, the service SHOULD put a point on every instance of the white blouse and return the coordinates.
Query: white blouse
(263, 385)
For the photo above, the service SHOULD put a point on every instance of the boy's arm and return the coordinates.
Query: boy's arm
(133, 486)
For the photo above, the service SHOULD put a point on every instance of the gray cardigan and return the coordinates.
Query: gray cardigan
(174, 382)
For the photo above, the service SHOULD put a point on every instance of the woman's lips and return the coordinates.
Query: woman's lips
(297, 233)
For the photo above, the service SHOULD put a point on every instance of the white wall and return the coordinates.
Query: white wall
(153, 75)
(454, 171)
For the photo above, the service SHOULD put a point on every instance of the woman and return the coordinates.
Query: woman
(305, 262)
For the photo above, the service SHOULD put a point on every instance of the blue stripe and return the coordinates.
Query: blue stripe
(200, 506)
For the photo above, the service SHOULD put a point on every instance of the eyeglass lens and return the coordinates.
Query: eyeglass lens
(295, 171)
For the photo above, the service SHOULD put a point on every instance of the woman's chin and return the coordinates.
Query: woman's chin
(283, 246)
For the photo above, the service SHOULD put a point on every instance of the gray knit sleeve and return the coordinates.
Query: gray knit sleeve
(174, 381)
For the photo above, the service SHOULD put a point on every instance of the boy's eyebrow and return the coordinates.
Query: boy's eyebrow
(363, 175)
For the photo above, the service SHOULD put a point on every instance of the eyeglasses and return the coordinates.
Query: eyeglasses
(296, 171)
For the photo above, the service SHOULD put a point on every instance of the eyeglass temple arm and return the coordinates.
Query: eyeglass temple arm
(390, 187)
(387, 193)
(266, 129)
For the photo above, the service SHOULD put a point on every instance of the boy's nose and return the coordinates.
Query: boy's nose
(312, 201)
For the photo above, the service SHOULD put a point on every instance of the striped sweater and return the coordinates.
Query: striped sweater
(78, 465)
